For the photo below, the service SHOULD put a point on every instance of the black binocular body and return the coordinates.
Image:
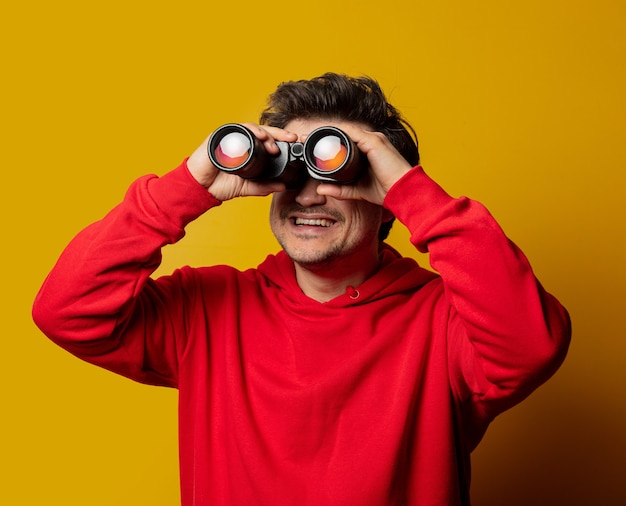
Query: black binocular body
(327, 155)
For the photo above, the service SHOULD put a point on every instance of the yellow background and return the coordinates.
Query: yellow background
(518, 104)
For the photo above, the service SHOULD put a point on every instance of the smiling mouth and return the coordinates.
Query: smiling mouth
(313, 222)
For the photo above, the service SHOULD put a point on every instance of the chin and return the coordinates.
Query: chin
(312, 258)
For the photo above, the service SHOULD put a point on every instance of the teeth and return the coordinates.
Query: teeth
(317, 223)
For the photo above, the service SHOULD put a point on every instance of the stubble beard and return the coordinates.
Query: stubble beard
(315, 259)
(338, 254)
(307, 257)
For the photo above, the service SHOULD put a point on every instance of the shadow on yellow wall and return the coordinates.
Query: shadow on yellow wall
(519, 106)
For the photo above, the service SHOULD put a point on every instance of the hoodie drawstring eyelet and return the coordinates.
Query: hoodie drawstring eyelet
(353, 293)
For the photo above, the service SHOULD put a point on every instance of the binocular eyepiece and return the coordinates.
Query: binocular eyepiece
(328, 155)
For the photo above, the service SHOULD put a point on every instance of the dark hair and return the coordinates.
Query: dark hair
(340, 97)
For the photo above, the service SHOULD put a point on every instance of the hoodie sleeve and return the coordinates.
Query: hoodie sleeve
(506, 334)
(90, 295)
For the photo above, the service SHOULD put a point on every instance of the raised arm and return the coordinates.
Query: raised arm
(92, 291)
(99, 301)
(506, 333)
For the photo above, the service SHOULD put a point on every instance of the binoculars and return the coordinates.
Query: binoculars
(328, 155)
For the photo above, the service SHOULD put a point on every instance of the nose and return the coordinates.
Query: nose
(307, 195)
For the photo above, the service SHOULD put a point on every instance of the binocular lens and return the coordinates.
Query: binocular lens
(233, 150)
(329, 153)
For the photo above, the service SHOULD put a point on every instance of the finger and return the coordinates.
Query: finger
(356, 133)
(260, 189)
(281, 134)
(341, 192)
(268, 133)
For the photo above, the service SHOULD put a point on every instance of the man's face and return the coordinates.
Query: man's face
(314, 229)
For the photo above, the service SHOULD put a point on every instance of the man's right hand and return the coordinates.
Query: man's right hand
(224, 186)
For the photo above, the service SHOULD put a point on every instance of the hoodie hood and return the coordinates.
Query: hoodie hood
(396, 274)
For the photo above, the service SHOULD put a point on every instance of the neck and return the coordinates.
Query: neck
(323, 282)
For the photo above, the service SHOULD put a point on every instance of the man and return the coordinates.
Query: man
(337, 372)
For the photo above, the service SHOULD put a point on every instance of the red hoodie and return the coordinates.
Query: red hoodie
(374, 398)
